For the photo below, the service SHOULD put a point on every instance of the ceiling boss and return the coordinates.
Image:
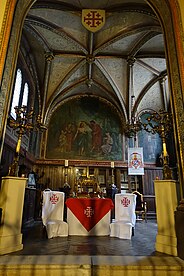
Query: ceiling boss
(93, 20)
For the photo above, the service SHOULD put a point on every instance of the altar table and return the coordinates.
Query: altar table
(89, 216)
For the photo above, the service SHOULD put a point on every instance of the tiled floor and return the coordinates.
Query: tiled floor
(141, 244)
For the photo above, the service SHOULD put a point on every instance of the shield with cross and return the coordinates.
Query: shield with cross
(93, 20)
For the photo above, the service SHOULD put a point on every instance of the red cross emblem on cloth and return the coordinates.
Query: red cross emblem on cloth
(89, 212)
(125, 201)
(93, 20)
(54, 199)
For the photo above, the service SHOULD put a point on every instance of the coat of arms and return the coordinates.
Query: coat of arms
(93, 20)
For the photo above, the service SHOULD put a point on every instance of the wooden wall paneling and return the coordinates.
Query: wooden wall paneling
(148, 189)
(29, 207)
(60, 180)
(73, 177)
(107, 178)
(118, 179)
(151, 207)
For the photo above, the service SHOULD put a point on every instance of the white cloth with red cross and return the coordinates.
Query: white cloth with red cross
(125, 217)
(125, 208)
(52, 214)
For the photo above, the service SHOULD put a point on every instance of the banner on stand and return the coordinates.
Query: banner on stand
(135, 161)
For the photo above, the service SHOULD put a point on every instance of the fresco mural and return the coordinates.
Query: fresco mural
(84, 128)
(151, 143)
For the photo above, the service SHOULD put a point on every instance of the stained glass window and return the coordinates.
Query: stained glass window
(25, 94)
(16, 92)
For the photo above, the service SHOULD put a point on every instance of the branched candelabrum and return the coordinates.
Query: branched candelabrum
(25, 121)
(161, 123)
(132, 128)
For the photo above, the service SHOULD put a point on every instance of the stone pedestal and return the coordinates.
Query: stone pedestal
(166, 204)
(179, 221)
(11, 202)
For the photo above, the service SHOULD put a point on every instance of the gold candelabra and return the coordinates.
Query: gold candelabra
(132, 128)
(161, 123)
(25, 121)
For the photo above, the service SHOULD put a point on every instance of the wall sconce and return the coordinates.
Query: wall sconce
(132, 127)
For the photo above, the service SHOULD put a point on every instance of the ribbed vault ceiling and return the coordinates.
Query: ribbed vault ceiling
(123, 63)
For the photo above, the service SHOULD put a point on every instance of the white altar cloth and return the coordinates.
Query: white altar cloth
(75, 227)
(89, 216)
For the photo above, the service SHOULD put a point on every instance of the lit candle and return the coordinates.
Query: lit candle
(66, 163)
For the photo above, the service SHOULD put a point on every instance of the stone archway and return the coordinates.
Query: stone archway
(167, 13)
(164, 14)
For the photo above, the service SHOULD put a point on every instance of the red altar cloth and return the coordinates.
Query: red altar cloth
(89, 211)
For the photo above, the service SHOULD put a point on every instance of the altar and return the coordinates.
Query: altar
(89, 216)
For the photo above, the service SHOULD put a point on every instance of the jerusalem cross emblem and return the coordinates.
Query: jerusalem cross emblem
(93, 20)
(125, 201)
(89, 212)
(54, 199)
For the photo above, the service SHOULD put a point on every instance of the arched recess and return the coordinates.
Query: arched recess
(167, 12)
(8, 74)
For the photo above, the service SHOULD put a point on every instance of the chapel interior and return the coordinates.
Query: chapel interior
(89, 91)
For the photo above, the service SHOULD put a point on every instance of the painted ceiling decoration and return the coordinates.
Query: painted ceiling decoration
(93, 20)
(122, 63)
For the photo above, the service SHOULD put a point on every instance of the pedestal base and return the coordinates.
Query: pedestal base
(10, 244)
(166, 204)
(11, 203)
(166, 244)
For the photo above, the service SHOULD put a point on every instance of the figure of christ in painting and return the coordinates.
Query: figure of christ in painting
(96, 136)
(81, 138)
(108, 142)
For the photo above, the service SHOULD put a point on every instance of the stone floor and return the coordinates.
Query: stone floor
(90, 256)
(142, 243)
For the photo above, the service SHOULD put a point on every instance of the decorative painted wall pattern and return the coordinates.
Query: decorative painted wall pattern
(84, 129)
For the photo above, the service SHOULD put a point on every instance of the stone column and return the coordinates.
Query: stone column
(11, 202)
(130, 61)
(166, 204)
